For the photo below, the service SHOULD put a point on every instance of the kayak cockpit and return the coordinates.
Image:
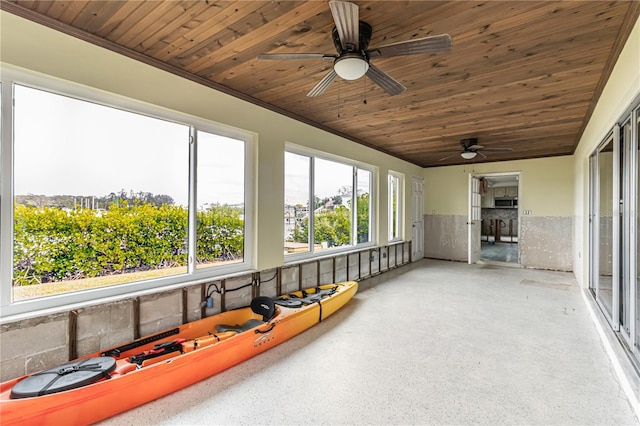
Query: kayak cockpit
(260, 305)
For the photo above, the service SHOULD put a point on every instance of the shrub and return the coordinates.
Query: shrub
(53, 244)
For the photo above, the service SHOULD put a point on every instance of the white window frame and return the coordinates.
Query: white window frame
(13, 75)
(399, 206)
(313, 154)
(355, 209)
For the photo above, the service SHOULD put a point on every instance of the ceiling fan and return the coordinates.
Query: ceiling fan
(351, 38)
(470, 149)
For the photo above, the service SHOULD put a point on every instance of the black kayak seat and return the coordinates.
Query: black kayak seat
(68, 376)
(260, 305)
(264, 306)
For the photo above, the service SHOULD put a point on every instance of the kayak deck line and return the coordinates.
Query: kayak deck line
(159, 364)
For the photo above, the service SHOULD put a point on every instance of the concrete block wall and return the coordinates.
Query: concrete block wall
(374, 257)
(237, 292)
(290, 280)
(35, 344)
(194, 300)
(326, 271)
(365, 264)
(103, 326)
(341, 268)
(310, 276)
(352, 267)
(268, 282)
(160, 311)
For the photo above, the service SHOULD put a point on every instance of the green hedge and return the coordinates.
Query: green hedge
(52, 244)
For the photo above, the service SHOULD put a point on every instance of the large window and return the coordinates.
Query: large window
(98, 196)
(327, 203)
(297, 193)
(363, 211)
(221, 196)
(395, 206)
(333, 195)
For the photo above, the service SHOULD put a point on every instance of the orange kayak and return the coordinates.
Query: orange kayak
(101, 385)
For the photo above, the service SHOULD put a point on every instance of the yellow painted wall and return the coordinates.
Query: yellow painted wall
(34, 47)
(546, 186)
(621, 89)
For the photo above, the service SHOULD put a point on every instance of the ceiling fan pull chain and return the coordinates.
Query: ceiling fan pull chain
(339, 87)
(364, 95)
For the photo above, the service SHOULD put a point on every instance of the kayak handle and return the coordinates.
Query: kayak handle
(267, 330)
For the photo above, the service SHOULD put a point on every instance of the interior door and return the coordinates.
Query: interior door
(417, 201)
(474, 220)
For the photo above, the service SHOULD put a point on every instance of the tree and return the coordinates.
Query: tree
(135, 198)
(333, 227)
(345, 191)
(363, 218)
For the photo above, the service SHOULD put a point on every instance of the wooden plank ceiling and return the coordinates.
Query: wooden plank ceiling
(523, 75)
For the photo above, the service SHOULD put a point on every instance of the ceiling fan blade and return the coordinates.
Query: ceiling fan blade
(481, 154)
(475, 147)
(449, 156)
(282, 56)
(385, 81)
(346, 18)
(431, 44)
(499, 149)
(323, 84)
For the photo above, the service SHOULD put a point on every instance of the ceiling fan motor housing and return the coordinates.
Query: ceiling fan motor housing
(469, 142)
(365, 32)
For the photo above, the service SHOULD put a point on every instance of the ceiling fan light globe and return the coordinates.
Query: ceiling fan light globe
(468, 155)
(351, 67)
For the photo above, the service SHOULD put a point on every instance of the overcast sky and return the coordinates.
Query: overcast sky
(70, 147)
(330, 178)
(64, 146)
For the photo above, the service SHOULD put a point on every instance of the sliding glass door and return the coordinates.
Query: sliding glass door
(604, 225)
(614, 238)
(635, 271)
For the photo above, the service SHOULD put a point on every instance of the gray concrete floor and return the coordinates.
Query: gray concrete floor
(432, 343)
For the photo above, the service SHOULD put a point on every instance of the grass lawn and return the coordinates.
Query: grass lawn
(48, 289)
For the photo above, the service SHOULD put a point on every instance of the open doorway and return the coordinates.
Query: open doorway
(500, 229)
